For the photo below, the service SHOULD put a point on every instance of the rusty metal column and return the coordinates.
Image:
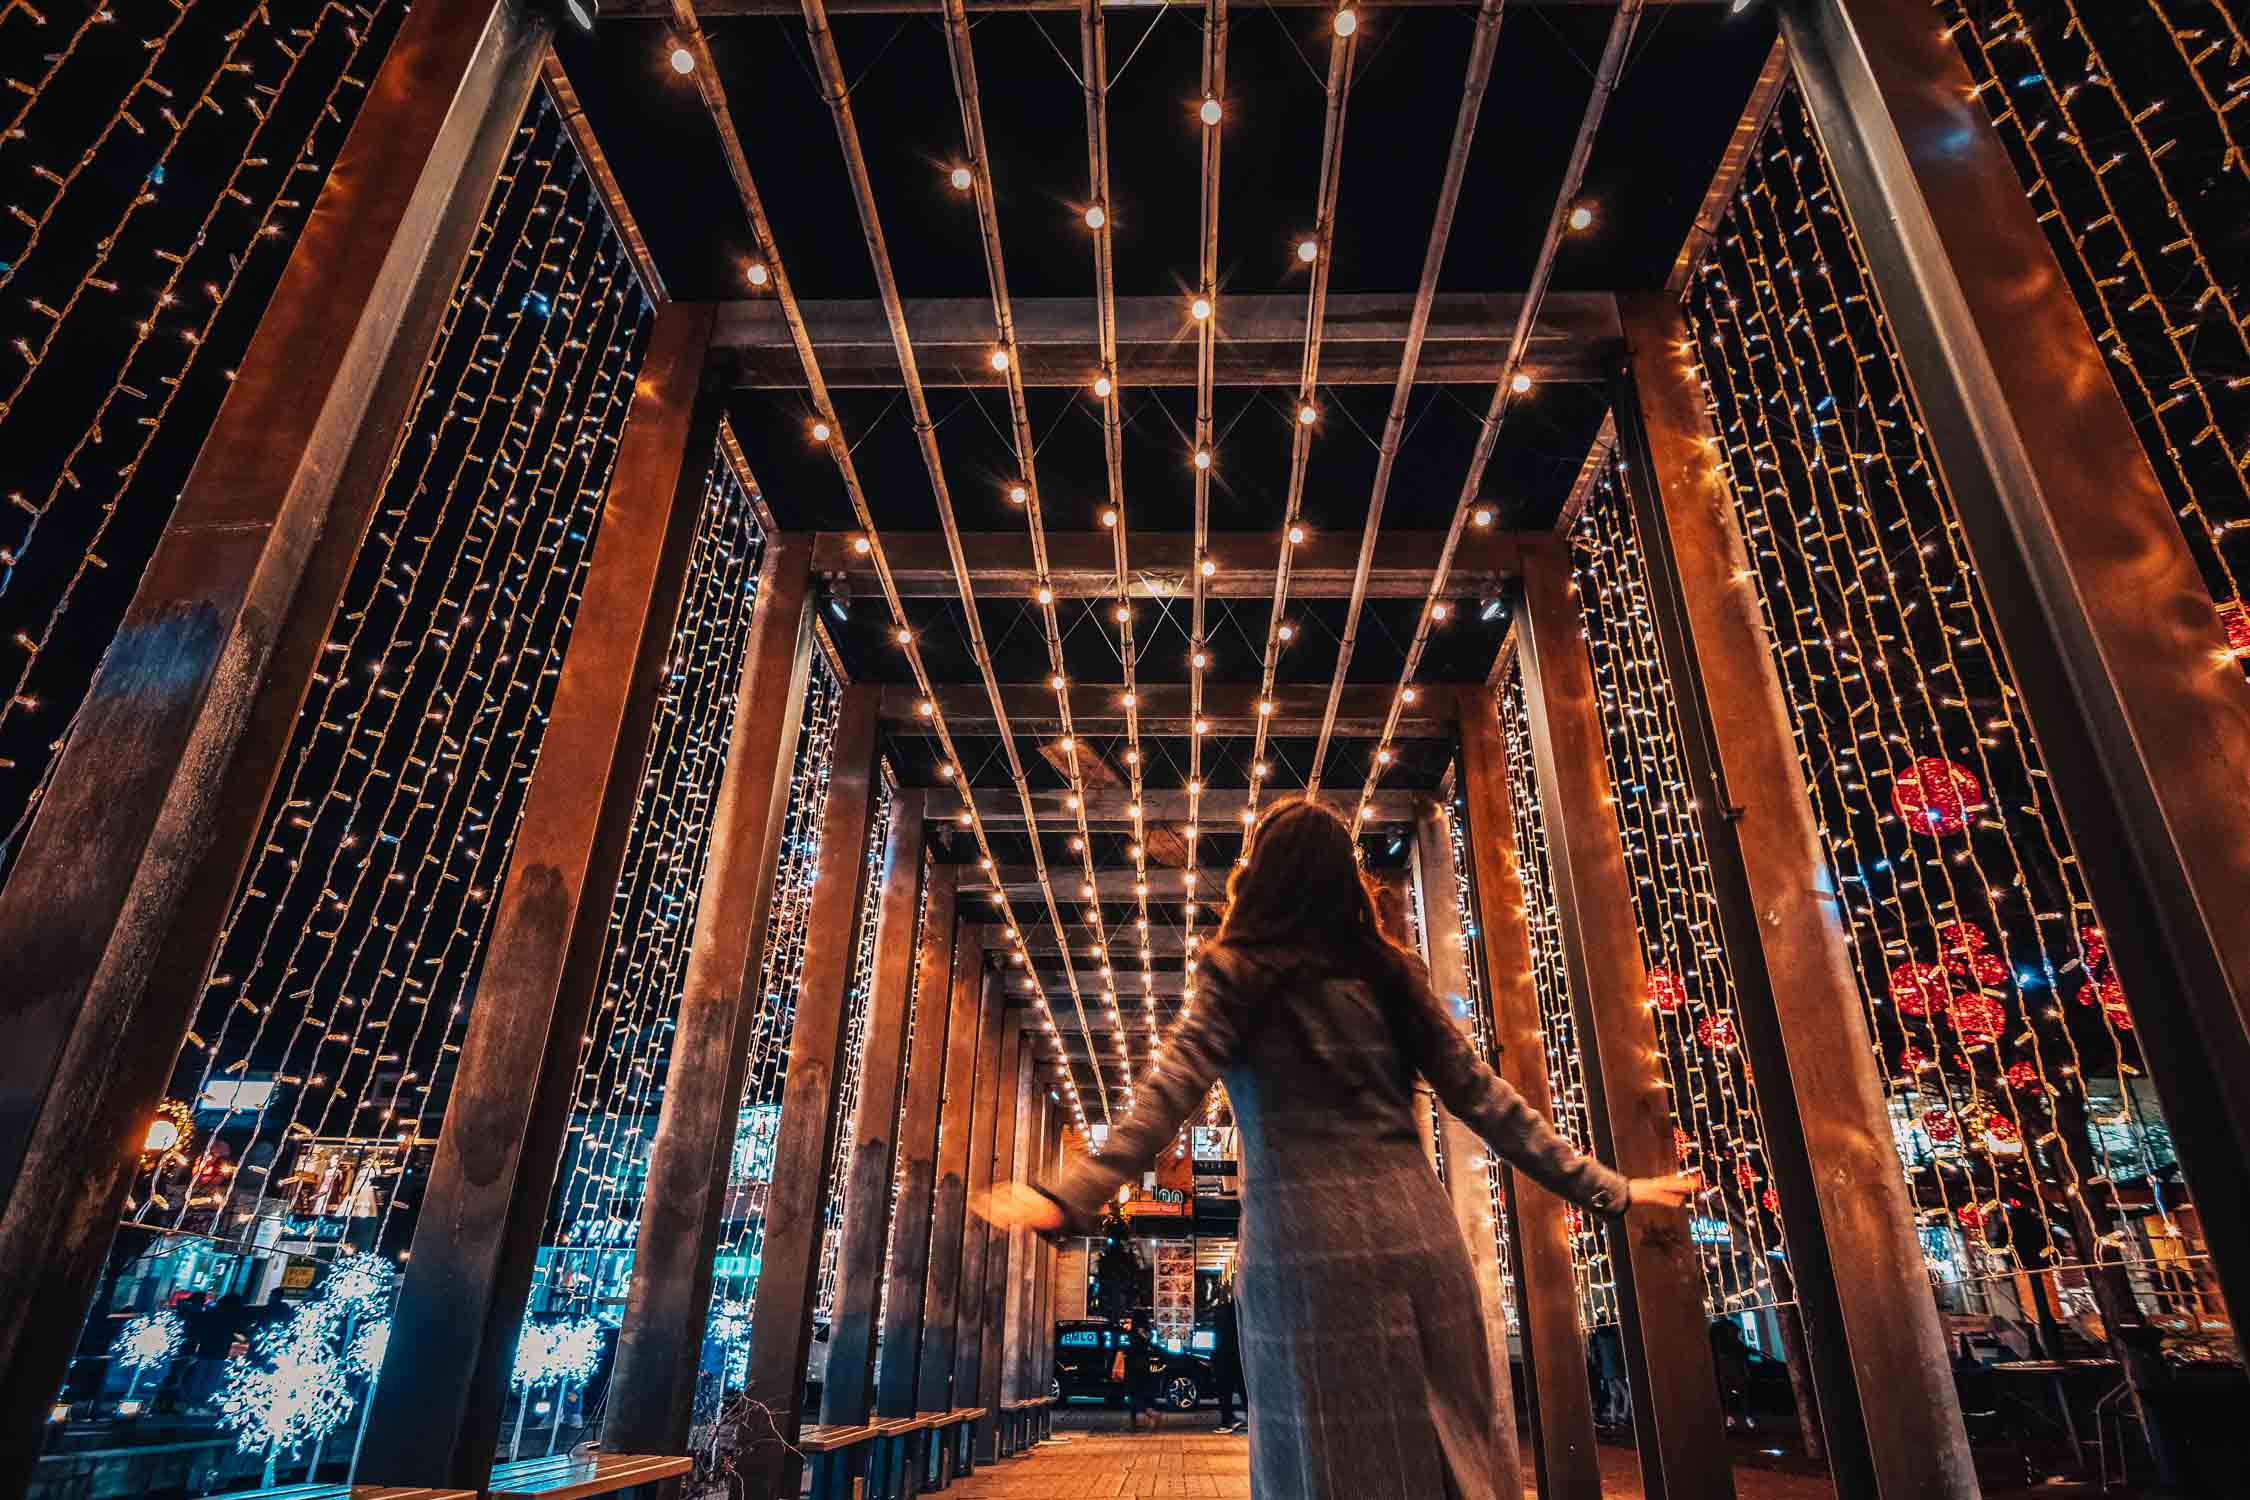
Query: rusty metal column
(1445, 940)
(1554, 1353)
(1680, 1428)
(124, 880)
(941, 1292)
(976, 1235)
(847, 1394)
(2143, 723)
(1889, 1412)
(651, 1397)
(781, 1306)
(1008, 1113)
(461, 1304)
(1031, 1166)
(908, 1272)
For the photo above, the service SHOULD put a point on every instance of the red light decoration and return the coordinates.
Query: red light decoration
(1683, 1145)
(1978, 1018)
(1665, 991)
(2001, 1130)
(1912, 1059)
(1939, 1125)
(2021, 1075)
(1969, 1216)
(1770, 1201)
(1968, 954)
(1715, 1031)
(1745, 1174)
(1936, 796)
(2237, 621)
(1920, 990)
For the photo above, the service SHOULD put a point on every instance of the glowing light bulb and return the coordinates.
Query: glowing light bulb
(1046, 596)
(758, 274)
(1288, 632)
(1202, 726)
(1200, 308)
(1265, 707)
(820, 432)
(905, 636)
(1308, 414)
(1308, 251)
(1200, 660)
(1095, 218)
(1000, 359)
(1209, 567)
(1581, 217)
(946, 772)
(1482, 515)
(1296, 535)
(1056, 682)
(1409, 695)
(683, 61)
(1102, 386)
(1203, 458)
(962, 179)
(925, 708)
(1210, 111)
(862, 545)
(1018, 493)
(1123, 614)
(1519, 382)
(1109, 518)
(1439, 611)
(1347, 22)
(1131, 700)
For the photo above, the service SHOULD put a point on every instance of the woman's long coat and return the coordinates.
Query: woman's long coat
(1367, 1360)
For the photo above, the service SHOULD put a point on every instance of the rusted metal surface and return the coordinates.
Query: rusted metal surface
(1108, 811)
(1228, 708)
(1680, 1429)
(573, 115)
(1890, 1416)
(781, 1308)
(656, 9)
(908, 1271)
(846, 1394)
(1010, 1105)
(483, 1211)
(976, 1234)
(652, 1384)
(2142, 721)
(1445, 940)
(1764, 95)
(941, 1297)
(1554, 1355)
(122, 885)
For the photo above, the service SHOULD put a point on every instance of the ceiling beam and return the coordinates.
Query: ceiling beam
(1127, 982)
(1228, 708)
(1163, 942)
(649, 10)
(1083, 564)
(999, 807)
(1109, 885)
(1576, 338)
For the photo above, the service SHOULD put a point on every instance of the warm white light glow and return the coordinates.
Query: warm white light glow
(1047, 596)
(1123, 614)
(1210, 112)
(925, 708)
(1308, 414)
(1347, 22)
(683, 61)
(1209, 567)
(1265, 707)
(1203, 458)
(962, 179)
(758, 274)
(1439, 611)
(1482, 515)
(1000, 359)
(1520, 383)
(1018, 493)
(1201, 661)
(1581, 217)
(1102, 386)
(1109, 518)
(1288, 631)
(1296, 534)
(862, 545)
(1200, 308)
(905, 636)
(820, 432)
(1308, 251)
(1095, 218)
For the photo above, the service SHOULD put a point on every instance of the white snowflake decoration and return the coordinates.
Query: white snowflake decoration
(290, 1392)
(364, 1358)
(730, 1325)
(535, 1353)
(574, 1349)
(149, 1340)
(359, 1285)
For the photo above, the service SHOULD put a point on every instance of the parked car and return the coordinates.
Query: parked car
(1086, 1350)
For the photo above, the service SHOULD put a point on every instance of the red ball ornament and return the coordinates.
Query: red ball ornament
(1577, 1220)
(2022, 1075)
(1665, 991)
(1683, 1145)
(1939, 1125)
(1968, 954)
(1978, 1018)
(2002, 1129)
(1770, 1201)
(2112, 996)
(1746, 1174)
(2237, 621)
(1936, 796)
(1715, 1031)
(1912, 1059)
(1920, 989)
(1969, 1216)
(2094, 943)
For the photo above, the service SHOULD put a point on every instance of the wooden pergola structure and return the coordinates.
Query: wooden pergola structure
(1081, 824)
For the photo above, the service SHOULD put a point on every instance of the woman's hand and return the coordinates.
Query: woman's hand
(1014, 1205)
(1664, 1192)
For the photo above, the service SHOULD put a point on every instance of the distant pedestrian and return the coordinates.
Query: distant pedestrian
(1134, 1356)
(1361, 1314)
(1730, 1361)
(1226, 1357)
(1605, 1362)
(210, 1338)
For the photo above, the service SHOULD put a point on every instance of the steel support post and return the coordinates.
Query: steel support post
(847, 1394)
(899, 1365)
(1680, 1429)
(1554, 1354)
(1467, 1172)
(125, 878)
(461, 1304)
(1000, 1245)
(652, 1382)
(1889, 1412)
(941, 1293)
(976, 1234)
(2141, 716)
(781, 1307)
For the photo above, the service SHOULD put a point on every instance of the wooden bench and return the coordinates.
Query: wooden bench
(562, 1477)
(355, 1492)
(1024, 1423)
(839, 1454)
(899, 1458)
(949, 1451)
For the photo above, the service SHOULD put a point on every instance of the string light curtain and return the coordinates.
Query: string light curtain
(317, 1066)
(586, 1263)
(2029, 1133)
(2122, 119)
(781, 967)
(898, 1117)
(1480, 1012)
(1716, 1127)
(1590, 1264)
(865, 926)
(156, 163)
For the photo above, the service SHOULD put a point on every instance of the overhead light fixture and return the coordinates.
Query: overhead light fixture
(961, 179)
(1582, 217)
(1308, 251)
(1347, 21)
(1210, 111)
(1095, 218)
(1489, 608)
(582, 13)
(683, 61)
(1520, 382)
(758, 274)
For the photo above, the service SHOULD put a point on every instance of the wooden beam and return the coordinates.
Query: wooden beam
(1228, 708)
(941, 1294)
(484, 1207)
(847, 1394)
(781, 1309)
(901, 1357)
(1468, 1180)
(124, 882)
(1082, 564)
(1261, 340)
(1889, 1413)
(1564, 1462)
(1680, 1429)
(1106, 811)
(652, 1383)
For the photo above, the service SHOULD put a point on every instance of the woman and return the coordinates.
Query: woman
(1362, 1333)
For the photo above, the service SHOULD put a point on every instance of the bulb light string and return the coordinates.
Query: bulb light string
(781, 967)
(2017, 1093)
(770, 273)
(625, 1051)
(1483, 1038)
(1717, 1127)
(220, 148)
(862, 989)
(1591, 1269)
(2120, 120)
